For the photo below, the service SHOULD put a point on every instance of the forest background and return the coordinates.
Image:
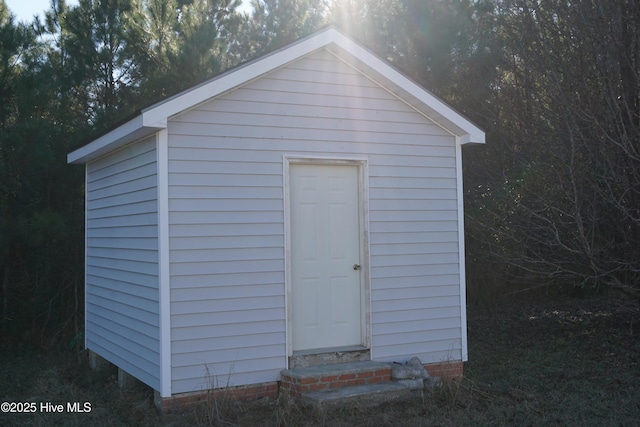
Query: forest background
(552, 200)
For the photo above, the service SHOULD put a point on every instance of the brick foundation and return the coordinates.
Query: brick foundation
(292, 386)
(295, 387)
(446, 370)
(185, 401)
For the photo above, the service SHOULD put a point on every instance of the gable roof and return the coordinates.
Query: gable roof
(155, 117)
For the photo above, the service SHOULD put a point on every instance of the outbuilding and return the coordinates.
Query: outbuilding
(302, 208)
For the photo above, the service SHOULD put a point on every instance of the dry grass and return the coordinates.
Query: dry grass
(571, 362)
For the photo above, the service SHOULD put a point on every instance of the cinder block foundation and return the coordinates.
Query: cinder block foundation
(125, 380)
(96, 362)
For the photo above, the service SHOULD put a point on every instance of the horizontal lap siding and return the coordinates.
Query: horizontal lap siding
(226, 214)
(122, 322)
(414, 258)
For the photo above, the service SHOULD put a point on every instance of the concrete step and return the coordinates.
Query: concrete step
(361, 395)
(327, 377)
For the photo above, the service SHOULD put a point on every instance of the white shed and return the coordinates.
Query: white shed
(308, 202)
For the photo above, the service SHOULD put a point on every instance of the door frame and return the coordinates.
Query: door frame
(363, 208)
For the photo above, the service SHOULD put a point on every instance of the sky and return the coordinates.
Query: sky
(26, 9)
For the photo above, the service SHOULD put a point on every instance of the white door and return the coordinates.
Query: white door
(325, 257)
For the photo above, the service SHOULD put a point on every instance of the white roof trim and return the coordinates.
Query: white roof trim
(415, 95)
(155, 117)
(132, 130)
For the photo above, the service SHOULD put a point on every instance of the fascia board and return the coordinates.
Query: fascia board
(159, 113)
(132, 130)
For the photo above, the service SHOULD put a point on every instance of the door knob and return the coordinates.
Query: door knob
(356, 266)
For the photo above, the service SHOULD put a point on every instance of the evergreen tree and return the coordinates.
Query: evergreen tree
(275, 23)
(40, 202)
(174, 45)
(94, 33)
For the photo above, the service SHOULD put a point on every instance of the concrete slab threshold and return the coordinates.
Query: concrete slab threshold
(303, 359)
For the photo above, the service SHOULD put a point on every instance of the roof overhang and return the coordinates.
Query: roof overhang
(132, 130)
(155, 117)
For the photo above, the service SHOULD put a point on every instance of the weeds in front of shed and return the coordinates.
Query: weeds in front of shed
(451, 394)
(220, 407)
(456, 395)
(291, 412)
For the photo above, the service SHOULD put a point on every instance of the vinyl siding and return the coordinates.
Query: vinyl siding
(122, 323)
(226, 216)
